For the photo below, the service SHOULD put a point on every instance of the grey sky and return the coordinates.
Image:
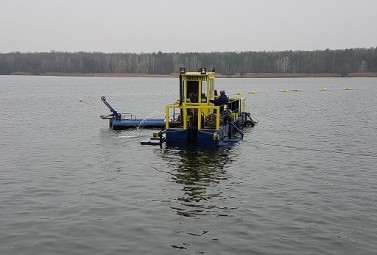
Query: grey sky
(185, 26)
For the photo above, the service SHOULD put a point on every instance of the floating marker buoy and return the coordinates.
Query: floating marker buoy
(324, 89)
(348, 89)
(80, 100)
(239, 93)
(286, 90)
(252, 92)
(297, 90)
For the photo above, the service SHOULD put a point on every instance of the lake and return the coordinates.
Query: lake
(303, 181)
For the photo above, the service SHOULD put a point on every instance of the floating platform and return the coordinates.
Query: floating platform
(198, 118)
(127, 120)
(136, 123)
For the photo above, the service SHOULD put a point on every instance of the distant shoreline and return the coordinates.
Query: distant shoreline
(218, 75)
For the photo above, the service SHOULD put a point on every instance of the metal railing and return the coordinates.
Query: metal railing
(202, 110)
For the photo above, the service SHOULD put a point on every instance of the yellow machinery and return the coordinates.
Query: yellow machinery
(193, 118)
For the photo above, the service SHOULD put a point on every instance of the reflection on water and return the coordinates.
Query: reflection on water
(199, 173)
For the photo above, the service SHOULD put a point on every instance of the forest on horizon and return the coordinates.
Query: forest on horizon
(342, 62)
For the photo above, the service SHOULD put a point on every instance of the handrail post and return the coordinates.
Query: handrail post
(184, 117)
(199, 118)
(167, 117)
(217, 110)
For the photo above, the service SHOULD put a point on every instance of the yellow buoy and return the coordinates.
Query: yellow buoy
(286, 90)
(324, 89)
(239, 93)
(348, 88)
(252, 92)
(297, 90)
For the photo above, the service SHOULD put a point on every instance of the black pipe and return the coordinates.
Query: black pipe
(182, 71)
(180, 90)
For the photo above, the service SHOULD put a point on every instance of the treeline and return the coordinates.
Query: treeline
(342, 62)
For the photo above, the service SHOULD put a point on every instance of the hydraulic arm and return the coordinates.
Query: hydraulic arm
(116, 114)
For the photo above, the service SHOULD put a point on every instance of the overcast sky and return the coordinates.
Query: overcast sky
(186, 26)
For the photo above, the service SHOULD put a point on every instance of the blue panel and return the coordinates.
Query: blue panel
(205, 136)
(138, 123)
(176, 136)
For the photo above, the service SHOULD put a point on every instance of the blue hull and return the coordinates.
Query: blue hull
(134, 123)
(203, 137)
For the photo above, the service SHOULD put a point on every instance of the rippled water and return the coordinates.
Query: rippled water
(303, 181)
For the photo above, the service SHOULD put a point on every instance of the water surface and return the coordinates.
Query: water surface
(303, 181)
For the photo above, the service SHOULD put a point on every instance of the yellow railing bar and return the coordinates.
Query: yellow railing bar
(200, 108)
